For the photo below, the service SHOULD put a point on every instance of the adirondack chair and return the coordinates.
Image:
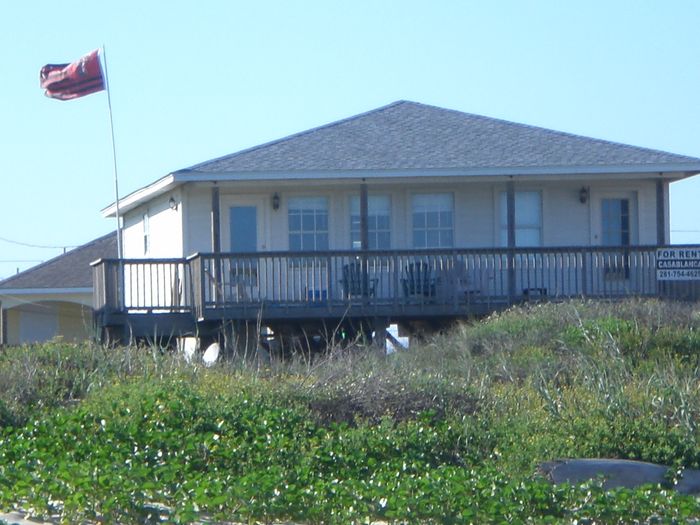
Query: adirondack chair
(356, 281)
(419, 280)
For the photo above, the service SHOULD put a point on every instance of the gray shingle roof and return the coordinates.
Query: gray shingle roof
(409, 135)
(70, 270)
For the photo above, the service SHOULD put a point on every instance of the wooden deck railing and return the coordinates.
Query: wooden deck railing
(391, 281)
(142, 285)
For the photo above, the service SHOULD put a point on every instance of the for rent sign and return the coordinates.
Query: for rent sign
(678, 263)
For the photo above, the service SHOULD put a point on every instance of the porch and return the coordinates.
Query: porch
(285, 289)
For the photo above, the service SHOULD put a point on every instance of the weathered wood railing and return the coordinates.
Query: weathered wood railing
(447, 281)
(143, 285)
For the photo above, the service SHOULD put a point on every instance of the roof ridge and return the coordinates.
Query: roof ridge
(297, 134)
(53, 259)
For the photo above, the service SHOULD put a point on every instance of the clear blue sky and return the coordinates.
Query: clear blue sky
(195, 80)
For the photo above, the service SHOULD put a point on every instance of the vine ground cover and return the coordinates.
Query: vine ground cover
(450, 432)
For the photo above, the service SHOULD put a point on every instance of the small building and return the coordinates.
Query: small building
(410, 214)
(53, 298)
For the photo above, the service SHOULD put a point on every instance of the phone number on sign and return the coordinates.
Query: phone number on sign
(677, 275)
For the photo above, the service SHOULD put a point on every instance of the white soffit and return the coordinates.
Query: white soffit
(169, 182)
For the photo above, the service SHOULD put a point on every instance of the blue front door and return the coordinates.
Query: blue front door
(243, 225)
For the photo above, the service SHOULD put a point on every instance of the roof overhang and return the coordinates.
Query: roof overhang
(44, 291)
(13, 297)
(168, 183)
(142, 195)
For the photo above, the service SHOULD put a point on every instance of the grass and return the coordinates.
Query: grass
(449, 432)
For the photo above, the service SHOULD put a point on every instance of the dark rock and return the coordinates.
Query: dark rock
(618, 473)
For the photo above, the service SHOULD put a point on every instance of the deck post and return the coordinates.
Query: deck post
(660, 213)
(3, 325)
(198, 285)
(364, 238)
(120, 286)
(510, 209)
(364, 211)
(116, 335)
(216, 242)
(215, 220)
(99, 295)
(380, 324)
(330, 274)
(241, 339)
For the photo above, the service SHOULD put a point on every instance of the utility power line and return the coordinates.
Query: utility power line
(30, 245)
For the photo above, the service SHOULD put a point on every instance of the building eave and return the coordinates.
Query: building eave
(651, 170)
(168, 183)
(43, 291)
(134, 199)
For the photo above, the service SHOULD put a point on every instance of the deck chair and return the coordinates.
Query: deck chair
(418, 281)
(243, 281)
(356, 281)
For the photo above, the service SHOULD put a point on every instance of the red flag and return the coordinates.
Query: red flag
(69, 81)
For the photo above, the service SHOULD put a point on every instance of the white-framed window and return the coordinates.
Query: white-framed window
(378, 222)
(433, 220)
(308, 223)
(528, 218)
(146, 233)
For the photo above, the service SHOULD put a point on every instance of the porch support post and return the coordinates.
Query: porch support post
(364, 211)
(510, 212)
(215, 221)
(380, 325)
(216, 243)
(510, 207)
(660, 213)
(3, 325)
(364, 237)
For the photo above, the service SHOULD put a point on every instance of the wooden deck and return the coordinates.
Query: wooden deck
(182, 296)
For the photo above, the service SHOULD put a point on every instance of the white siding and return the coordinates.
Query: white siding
(565, 220)
(646, 197)
(131, 235)
(474, 209)
(153, 285)
(165, 229)
(197, 219)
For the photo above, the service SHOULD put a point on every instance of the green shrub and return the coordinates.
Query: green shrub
(683, 342)
(610, 334)
(449, 432)
(44, 376)
(174, 448)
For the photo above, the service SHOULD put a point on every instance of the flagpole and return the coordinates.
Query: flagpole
(114, 157)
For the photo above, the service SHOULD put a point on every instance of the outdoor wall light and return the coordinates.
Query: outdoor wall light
(172, 203)
(583, 195)
(276, 201)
